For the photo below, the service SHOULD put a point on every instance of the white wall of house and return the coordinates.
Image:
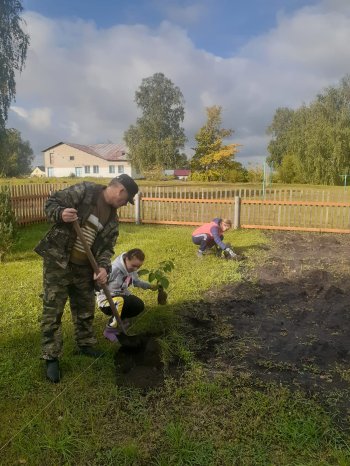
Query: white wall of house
(95, 171)
(64, 161)
(37, 172)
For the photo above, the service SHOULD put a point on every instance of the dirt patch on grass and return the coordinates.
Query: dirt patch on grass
(140, 367)
(288, 322)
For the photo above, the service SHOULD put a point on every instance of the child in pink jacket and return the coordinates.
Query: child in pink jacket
(210, 234)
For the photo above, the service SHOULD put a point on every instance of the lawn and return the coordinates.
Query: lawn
(200, 416)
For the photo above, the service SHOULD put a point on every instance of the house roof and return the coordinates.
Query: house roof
(182, 172)
(112, 152)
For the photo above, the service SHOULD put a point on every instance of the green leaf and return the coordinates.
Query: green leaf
(167, 268)
(143, 272)
(164, 282)
(158, 274)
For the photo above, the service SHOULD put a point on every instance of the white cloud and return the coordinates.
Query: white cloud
(183, 14)
(36, 118)
(21, 112)
(80, 81)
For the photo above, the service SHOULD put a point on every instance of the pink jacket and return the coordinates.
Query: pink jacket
(207, 229)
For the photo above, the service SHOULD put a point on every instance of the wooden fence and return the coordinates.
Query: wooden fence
(28, 201)
(337, 194)
(281, 209)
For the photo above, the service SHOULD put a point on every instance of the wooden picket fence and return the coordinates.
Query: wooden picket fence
(282, 209)
(28, 201)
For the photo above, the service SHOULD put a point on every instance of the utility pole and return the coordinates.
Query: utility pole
(345, 177)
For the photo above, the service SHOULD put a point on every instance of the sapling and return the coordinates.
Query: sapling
(159, 275)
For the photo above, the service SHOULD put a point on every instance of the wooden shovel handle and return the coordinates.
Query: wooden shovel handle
(96, 269)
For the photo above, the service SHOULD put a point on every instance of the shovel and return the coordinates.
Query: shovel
(125, 340)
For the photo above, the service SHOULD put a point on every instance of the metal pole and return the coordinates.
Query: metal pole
(345, 178)
(264, 179)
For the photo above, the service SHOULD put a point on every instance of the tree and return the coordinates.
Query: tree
(181, 161)
(288, 170)
(255, 173)
(212, 160)
(314, 139)
(279, 129)
(13, 51)
(157, 137)
(210, 136)
(16, 155)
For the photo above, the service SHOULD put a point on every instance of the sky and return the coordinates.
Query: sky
(87, 59)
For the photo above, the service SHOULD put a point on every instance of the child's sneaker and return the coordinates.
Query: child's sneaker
(110, 333)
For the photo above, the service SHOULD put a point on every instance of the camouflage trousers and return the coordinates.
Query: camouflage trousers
(76, 283)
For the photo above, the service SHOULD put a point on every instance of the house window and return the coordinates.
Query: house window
(50, 171)
(87, 168)
(78, 171)
(51, 158)
(120, 168)
(112, 169)
(96, 169)
(71, 157)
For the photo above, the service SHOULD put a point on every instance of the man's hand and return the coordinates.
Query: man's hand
(101, 277)
(69, 215)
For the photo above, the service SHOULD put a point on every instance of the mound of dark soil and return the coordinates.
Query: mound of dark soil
(287, 322)
(140, 366)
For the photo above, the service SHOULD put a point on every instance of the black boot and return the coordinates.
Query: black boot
(53, 370)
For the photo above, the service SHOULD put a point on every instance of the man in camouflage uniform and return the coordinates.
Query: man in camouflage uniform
(67, 272)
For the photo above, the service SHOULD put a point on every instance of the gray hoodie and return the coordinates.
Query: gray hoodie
(120, 280)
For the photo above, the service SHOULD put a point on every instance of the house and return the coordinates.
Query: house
(38, 171)
(169, 172)
(182, 174)
(96, 160)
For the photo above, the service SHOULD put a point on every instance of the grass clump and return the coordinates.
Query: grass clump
(203, 418)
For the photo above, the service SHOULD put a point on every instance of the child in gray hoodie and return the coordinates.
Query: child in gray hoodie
(123, 275)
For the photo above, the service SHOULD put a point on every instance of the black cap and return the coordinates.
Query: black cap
(130, 185)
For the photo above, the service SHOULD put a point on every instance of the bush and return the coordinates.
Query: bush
(154, 174)
(8, 224)
(255, 173)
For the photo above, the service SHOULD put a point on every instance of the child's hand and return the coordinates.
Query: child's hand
(154, 287)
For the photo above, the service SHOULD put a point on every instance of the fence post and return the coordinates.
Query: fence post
(138, 199)
(237, 213)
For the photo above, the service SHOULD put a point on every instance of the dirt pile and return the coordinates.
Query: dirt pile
(288, 321)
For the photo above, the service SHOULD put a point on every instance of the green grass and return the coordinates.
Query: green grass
(203, 418)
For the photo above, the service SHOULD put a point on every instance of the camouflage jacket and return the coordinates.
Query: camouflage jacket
(58, 242)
